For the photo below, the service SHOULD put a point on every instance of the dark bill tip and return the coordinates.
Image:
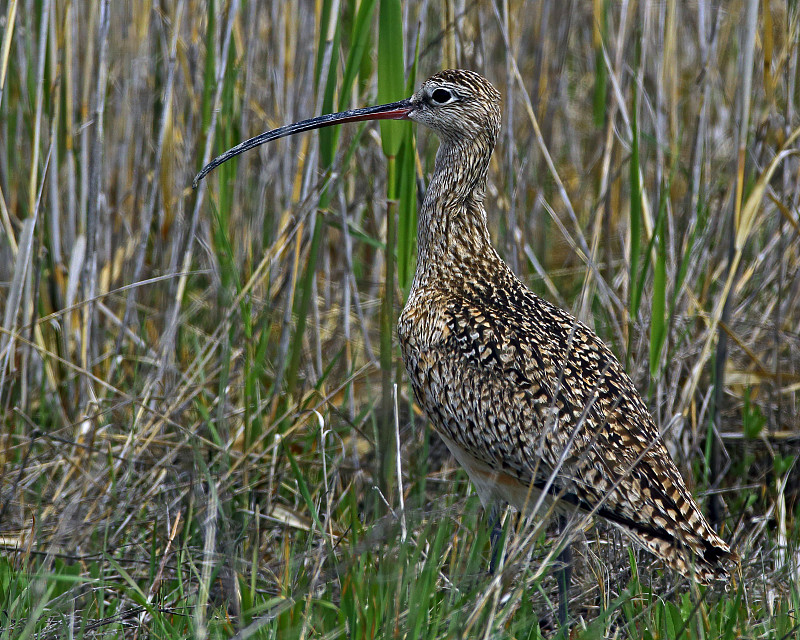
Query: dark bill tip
(392, 111)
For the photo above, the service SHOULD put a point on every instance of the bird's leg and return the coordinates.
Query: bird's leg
(496, 535)
(563, 576)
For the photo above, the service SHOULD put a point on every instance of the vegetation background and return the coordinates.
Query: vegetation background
(193, 383)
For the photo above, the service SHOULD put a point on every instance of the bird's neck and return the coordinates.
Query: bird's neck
(452, 225)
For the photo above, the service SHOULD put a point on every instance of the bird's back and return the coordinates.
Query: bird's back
(519, 390)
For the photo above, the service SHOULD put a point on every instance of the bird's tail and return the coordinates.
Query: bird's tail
(707, 559)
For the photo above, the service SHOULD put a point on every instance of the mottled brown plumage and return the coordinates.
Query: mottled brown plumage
(518, 388)
(527, 398)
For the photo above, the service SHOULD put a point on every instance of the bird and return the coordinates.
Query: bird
(529, 400)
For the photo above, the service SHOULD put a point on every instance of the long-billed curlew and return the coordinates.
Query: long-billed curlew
(527, 398)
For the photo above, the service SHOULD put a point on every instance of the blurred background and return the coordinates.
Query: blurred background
(194, 383)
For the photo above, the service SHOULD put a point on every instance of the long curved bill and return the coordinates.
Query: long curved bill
(392, 111)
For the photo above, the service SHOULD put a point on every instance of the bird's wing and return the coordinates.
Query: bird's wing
(525, 389)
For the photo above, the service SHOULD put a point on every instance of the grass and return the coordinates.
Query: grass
(193, 383)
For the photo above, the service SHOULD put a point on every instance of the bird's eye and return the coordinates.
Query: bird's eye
(441, 96)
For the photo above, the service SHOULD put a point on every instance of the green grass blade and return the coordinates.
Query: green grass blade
(358, 48)
(302, 485)
(658, 307)
(390, 88)
(391, 83)
(329, 38)
(329, 136)
(407, 206)
(36, 614)
(636, 212)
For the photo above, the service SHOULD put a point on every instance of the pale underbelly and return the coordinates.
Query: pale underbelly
(495, 485)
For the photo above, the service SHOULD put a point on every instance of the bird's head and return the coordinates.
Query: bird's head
(459, 105)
